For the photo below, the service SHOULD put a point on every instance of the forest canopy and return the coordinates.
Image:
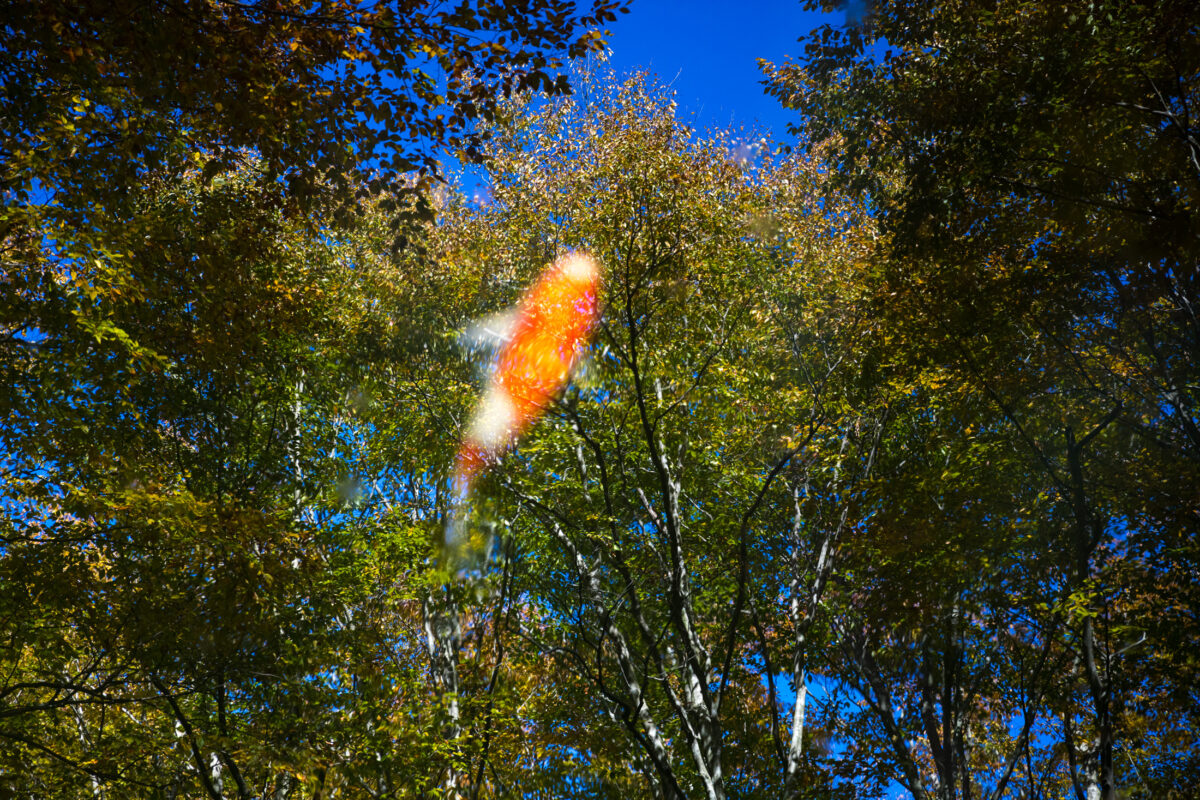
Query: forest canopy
(880, 474)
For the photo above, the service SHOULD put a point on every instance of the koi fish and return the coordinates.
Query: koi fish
(550, 329)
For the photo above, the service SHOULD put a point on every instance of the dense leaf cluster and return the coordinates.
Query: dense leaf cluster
(96, 95)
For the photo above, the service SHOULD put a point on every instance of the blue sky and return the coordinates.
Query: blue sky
(707, 50)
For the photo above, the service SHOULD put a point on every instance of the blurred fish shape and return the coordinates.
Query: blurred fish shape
(549, 330)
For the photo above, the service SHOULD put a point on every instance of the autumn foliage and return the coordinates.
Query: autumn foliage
(862, 467)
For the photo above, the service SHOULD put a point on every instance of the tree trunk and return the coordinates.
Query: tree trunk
(443, 635)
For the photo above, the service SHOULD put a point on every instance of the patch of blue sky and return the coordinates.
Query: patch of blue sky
(708, 51)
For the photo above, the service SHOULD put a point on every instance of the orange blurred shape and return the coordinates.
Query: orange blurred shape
(553, 323)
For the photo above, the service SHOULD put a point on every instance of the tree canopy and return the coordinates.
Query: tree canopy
(1034, 171)
(879, 476)
(98, 94)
